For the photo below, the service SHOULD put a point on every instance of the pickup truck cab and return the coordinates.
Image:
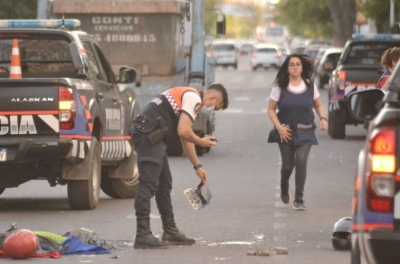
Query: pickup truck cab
(375, 232)
(64, 117)
(358, 68)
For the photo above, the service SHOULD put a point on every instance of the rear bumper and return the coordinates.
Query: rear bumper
(383, 245)
(26, 150)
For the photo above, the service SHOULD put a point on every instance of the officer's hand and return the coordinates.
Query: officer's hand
(208, 141)
(202, 174)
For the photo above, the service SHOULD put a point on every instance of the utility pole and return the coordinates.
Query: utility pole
(42, 9)
(391, 17)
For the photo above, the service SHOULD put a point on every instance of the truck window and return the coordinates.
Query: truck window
(40, 58)
(367, 53)
(106, 66)
(93, 66)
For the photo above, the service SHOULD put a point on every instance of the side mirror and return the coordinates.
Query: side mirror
(365, 105)
(126, 75)
(221, 24)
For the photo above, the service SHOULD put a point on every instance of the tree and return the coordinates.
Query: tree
(307, 18)
(343, 14)
(379, 11)
(21, 9)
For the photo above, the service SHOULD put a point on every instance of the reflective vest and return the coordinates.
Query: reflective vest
(175, 95)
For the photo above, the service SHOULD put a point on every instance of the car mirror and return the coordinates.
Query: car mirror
(126, 75)
(365, 105)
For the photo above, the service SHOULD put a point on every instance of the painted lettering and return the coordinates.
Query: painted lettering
(25, 125)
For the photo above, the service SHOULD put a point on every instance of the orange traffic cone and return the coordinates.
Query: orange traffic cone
(15, 69)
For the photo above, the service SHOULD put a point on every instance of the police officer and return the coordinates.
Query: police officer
(173, 112)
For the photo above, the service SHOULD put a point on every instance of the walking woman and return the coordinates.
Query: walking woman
(295, 96)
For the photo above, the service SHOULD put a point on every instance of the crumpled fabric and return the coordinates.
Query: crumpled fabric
(89, 237)
(73, 245)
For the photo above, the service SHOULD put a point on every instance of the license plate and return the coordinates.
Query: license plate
(3, 154)
(193, 198)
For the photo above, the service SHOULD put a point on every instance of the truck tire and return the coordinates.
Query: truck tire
(174, 146)
(337, 130)
(122, 188)
(84, 194)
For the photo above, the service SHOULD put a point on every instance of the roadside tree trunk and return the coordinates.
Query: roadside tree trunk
(343, 14)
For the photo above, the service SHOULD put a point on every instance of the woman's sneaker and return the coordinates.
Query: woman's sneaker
(285, 197)
(299, 206)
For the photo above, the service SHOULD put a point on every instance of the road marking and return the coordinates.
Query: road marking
(280, 223)
(241, 99)
(233, 110)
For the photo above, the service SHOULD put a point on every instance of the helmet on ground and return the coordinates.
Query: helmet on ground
(341, 237)
(20, 244)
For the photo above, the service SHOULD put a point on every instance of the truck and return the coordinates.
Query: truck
(162, 40)
(64, 117)
(358, 68)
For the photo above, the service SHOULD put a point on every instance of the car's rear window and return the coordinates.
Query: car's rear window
(367, 53)
(266, 50)
(224, 47)
(40, 58)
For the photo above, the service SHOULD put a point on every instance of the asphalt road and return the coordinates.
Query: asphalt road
(245, 213)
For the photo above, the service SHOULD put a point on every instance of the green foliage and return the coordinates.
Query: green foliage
(18, 9)
(379, 10)
(307, 18)
(244, 27)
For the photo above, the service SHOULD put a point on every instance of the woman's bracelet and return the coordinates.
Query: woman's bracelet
(323, 118)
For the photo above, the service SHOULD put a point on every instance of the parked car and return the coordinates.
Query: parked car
(245, 48)
(224, 54)
(318, 58)
(311, 52)
(326, 65)
(266, 56)
(285, 51)
(375, 231)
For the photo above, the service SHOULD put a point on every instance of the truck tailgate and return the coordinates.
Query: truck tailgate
(28, 108)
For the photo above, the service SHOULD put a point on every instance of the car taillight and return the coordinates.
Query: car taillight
(341, 82)
(254, 55)
(381, 181)
(66, 108)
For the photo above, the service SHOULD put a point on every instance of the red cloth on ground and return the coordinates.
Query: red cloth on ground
(54, 255)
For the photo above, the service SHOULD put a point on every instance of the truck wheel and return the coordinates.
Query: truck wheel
(84, 194)
(122, 188)
(174, 146)
(337, 130)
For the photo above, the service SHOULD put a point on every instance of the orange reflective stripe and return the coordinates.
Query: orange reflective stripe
(177, 93)
(366, 227)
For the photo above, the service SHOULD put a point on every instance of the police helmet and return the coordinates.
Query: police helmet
(341, 236)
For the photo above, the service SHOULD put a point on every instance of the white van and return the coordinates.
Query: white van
(224, 54)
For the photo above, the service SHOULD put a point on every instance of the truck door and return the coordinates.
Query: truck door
(107, 92)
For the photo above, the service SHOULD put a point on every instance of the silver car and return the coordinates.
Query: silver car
(224, 54)
(266, 56)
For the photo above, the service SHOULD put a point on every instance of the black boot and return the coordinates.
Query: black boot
(144, 238)
(171, 233)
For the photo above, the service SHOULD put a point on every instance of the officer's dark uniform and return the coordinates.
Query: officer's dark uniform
(154, 172)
